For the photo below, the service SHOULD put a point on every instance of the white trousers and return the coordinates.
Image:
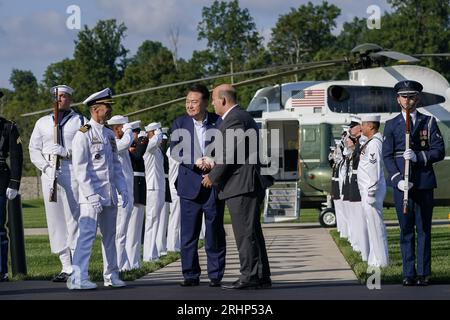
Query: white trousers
(154, 209)
(341, 220)
(134, 237)
(359, 229)
(88, 229)
(62, 216)
(348, 217)
(173, 232)
(123, 221)
(378, 245)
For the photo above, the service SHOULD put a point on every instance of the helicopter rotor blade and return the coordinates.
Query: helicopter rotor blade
(401, 57)
(247, 82)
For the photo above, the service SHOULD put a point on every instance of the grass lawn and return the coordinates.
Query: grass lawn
(34, 214)
(43, 265)
(440, 260)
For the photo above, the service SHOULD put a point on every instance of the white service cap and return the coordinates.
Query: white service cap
(153, 126)
(102, 96)
(142, 134)
(62, 88)
(118, 120)
(370, 118)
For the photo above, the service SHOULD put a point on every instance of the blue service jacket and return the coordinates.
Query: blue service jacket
(189, 180)
(426, 141)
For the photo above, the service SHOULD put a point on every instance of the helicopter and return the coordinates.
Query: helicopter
(310, 114)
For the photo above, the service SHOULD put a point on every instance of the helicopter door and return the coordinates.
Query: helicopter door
(288, 148)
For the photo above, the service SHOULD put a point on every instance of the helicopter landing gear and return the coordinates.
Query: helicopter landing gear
(327, 218)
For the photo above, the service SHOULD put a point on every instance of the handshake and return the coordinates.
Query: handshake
(206, 164)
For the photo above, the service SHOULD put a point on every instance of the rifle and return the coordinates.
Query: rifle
(406, 185)
(53, 197)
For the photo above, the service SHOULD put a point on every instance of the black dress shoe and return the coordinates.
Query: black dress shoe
(408, 282)
(62, 277)
(190, 282)
(240, 285)
(4, 277)
(215, 283)
(421, 281)
(265, 283)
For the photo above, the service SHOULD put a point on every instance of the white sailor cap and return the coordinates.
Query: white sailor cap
(153, 126)
(62, 88)
(135, 124)
(118, 120)
(102, 96)
(142, 134)
(370, 118)
(354, 121)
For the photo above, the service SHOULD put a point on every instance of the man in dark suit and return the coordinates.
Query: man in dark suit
(196, 200)
(242, 187)
(426, 148)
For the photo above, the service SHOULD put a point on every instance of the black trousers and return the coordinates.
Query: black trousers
(245, 218)
(4, 243)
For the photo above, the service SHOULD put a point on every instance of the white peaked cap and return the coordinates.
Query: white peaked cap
(102, 96)
(370, 118)
(355, 119)
(135, 124)
(62, 88)
(153, 126)
(118, 120)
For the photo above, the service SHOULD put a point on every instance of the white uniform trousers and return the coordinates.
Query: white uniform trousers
(346, 209)
(62, 216)
(359, 225)
(173, 232)
(134, 237)
(378, 245)
(88, 229)
(161, 235)
(340, 218)
(123, 220)
(153, 211)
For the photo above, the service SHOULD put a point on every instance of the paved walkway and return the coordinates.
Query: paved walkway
(305, 264)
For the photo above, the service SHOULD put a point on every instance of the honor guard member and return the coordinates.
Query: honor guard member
(10, 145)
(99, 174)
(161, 238)
(335, 190)
(62, 215)
(372, 187)
(156, 187)
(426, 148)
(134, 233)
(174, 228)
(124, 138)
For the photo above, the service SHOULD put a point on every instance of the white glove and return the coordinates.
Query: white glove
(48, 172)
(124, 196)
(94, 201)
(371, 200)
(401, 185)
(56, 149)
(410, 155)
(126, 126)
(11, 193)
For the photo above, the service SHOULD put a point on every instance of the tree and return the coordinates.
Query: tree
(61, 72)
(100, 57)
(298, 35)
(231, 34)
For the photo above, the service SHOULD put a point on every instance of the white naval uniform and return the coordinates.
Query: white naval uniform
(173, 232)
(62, 216)
(155, 180)
(371, 182)
(98, 171)
(124, 214)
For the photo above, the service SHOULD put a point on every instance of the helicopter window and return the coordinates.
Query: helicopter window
(354, 99)
(267, 99)
(309, 134)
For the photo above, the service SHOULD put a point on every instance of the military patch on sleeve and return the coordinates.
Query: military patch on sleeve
(19, 140)
(113, 144)
(85, 128)
(372, 159)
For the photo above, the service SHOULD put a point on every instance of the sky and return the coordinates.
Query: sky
(33, 33)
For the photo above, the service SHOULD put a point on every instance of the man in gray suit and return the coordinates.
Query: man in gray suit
(241, 185)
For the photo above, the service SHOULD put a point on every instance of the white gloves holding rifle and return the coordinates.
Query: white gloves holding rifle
(401, 185)
(56, 149)
(94, 201)
(11, 193)
(410, 155)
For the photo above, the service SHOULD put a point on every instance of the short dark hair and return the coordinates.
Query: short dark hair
(200, 88)
(376, 125)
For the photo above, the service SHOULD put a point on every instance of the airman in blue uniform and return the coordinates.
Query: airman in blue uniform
(426, 148)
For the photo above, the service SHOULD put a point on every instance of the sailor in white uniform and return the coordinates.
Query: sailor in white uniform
(372, 187)
(62, 215)
(155, 181)
(98, 171)
(173, 232)
(124, 138)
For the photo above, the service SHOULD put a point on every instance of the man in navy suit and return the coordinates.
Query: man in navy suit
(196, 200)
(426, 148)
